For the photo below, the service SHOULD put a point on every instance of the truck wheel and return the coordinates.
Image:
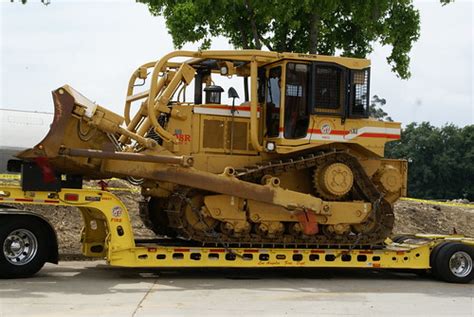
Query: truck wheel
(434, 255)
(402, 237)
(23, 242)
(454, 263)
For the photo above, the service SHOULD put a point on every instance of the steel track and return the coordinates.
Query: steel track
(382, 213)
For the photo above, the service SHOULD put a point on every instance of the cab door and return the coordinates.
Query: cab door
(296, 108)
(273, 102)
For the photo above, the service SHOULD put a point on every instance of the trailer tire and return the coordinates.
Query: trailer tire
(23, 246)
(433, 256)
(454, 262)
(402, 237)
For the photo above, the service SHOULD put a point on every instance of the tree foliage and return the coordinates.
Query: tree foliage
(45, 2)
(441, 160)
(306, 26)
(376, 111)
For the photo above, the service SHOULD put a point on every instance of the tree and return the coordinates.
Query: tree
(45, 2)
(376, 111)
(306, 26)
(441, 160)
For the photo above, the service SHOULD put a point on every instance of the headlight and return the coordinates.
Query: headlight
(270, 146)
(224, 70)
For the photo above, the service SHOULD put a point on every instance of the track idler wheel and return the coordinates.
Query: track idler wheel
(333, 181)
(197, 216)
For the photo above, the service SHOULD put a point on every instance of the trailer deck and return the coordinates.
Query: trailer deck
(107, 234)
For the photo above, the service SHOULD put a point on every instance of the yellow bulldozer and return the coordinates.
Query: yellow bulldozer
(295, 161)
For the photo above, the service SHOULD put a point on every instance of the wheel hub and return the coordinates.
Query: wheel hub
(20, 247)
(16, 246)
(460, 264)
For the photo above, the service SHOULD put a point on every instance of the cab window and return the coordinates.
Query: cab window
(296, 101)
(327, 87)
(273, 102)
(359, 105)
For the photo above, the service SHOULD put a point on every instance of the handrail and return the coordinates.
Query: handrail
(152, 112)
(131, 84)
(155, 102)
(253, 107)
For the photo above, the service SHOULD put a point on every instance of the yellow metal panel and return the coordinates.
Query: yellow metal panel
(107, 224)
(95, 206)
(156, 256)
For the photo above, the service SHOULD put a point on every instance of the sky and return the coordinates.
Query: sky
(94, 46)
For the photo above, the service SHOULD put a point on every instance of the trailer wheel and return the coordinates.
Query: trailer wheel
(433, 256)
(23, 242)
(402, 237)
(453, 263)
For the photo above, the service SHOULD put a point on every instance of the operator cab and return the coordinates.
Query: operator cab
(296, 90)
(300, 99)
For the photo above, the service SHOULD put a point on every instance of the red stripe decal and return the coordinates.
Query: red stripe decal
(226, 108)
(48, 201)
(379, 135)
(181, 250)
(251, 251)
(345, 132)
(333, 132)
(218, 250)
(24, 199)
(241, 108)
(339, 132)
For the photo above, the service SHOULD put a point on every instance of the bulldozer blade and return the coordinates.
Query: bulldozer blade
(49, 146)
(70, 111)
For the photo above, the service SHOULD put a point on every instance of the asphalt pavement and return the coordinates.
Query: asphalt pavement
(94, 289)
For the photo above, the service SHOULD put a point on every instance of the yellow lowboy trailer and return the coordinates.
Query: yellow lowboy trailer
(28, 241)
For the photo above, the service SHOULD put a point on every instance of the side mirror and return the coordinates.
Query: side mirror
(232, 93)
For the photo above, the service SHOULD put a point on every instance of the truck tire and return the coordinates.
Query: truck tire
(23, 246)
(402, 237)
(454, 263)
(433, 256)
